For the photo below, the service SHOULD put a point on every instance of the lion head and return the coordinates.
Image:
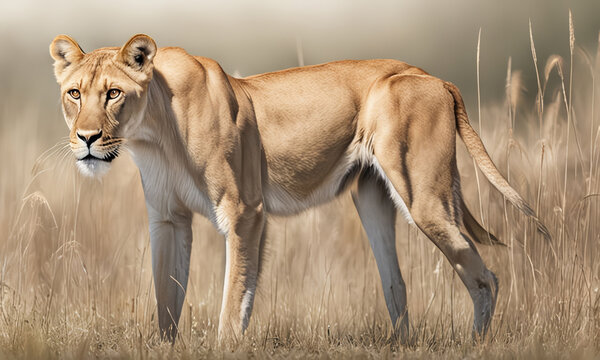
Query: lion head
(103, 96)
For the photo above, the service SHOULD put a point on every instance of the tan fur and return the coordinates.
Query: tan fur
(237, 149)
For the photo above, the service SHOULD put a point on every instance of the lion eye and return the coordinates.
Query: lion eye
(74, 94)
(113, 93)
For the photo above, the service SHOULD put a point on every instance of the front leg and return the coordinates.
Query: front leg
(171, 243)
(243, 240)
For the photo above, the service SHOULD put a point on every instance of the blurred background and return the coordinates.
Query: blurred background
(260, 36)
(74, 261)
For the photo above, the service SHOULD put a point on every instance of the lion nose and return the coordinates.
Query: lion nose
(89, 136)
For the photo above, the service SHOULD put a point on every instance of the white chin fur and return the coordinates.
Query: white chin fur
(93, 168)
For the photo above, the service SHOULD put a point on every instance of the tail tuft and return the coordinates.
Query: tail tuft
(527, 210)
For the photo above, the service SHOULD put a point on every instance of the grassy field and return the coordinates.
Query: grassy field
(75, 275)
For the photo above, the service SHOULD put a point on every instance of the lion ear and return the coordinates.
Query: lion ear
(137, 55)
(65, 51)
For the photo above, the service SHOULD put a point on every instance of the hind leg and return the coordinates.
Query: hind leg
(431, 211)
(434, 210)
(481, 283)
(417, 154)
(378, 216)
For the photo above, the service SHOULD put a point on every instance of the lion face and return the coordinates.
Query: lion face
(103, 96)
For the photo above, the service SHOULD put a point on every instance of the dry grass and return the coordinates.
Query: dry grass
(75, 279)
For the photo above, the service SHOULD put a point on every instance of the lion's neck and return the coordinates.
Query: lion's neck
(158, 135)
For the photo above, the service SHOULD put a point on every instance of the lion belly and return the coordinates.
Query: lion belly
(281, 200)
(291, 195)
(307, 164)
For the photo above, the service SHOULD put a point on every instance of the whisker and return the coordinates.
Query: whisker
(53, 148)
(52, 151)
(60, 153)
(64, 156)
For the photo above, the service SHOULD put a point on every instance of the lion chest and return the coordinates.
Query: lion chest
(169, 188)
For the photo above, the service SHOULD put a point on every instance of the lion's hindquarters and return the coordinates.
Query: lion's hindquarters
(415, 143)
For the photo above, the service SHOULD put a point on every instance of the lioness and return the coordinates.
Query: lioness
(235, 150)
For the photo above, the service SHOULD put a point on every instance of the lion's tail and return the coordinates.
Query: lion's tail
(477, 150)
